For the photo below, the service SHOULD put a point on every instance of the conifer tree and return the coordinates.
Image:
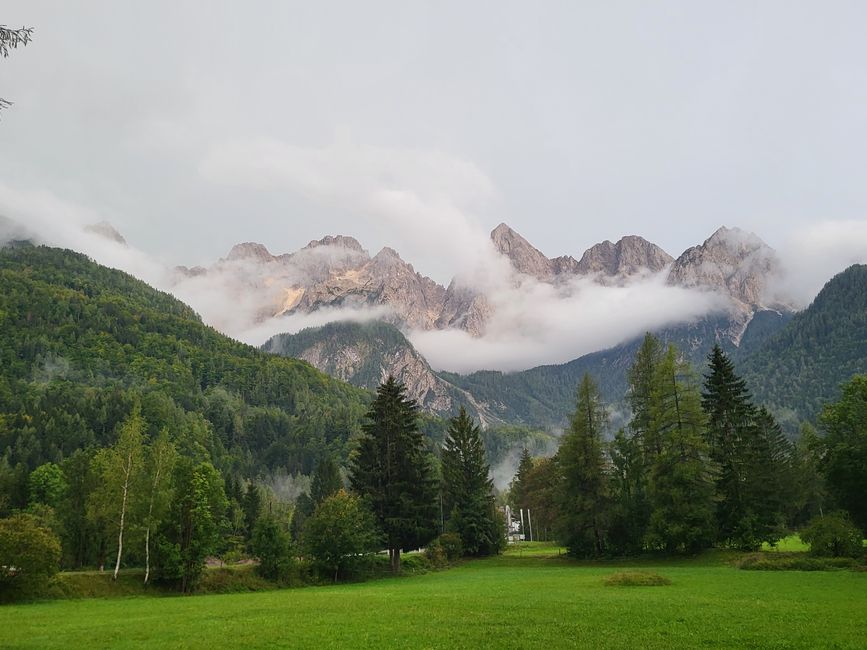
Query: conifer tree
(518, 486)
(751, 455)
(584, 494)
(467, 489)
(326, 480)
(392, 470)
(681, 482)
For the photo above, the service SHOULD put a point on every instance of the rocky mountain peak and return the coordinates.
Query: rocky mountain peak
(630, 255)
(341, 241)
(732, 261)
(525, 258)
(249, 251)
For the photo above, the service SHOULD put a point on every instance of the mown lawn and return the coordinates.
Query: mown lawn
(525, 599)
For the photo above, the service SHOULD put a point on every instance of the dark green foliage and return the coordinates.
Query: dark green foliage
(252, 506)
(29, 556)
(584, 490)
(845, 445)
(392, 470)
(326, 480)
(467, 492)
(341, 534)
(630, 509)
(192, 529)
(518, 489)
(304, 507)
(452, 546)
(751, 455)
(802, 366)
(273, 547)
(834, 535)
(680, 487)
(80, 342)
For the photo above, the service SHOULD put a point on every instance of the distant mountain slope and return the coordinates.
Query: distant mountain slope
(364, 354)
(801, 367)
(545, 395)
(79, 342)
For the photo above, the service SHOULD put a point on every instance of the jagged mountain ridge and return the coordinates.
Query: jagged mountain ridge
(337, 272)
(365, 354)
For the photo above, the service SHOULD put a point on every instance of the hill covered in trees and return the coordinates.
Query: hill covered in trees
(79, 343)
(798, 369)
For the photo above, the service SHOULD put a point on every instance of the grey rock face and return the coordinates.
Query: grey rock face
(523, 256)
(732, 261)
(629, 256)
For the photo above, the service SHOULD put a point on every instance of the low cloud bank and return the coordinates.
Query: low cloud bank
(535, 323)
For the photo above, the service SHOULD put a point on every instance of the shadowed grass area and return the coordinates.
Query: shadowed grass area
(636, 579)
(512, 601)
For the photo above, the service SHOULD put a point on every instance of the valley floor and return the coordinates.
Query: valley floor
(526, 598)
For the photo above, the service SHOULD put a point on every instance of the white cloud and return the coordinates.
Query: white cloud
(535, 323)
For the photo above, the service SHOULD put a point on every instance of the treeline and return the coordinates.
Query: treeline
(158, 502)
(697, 466)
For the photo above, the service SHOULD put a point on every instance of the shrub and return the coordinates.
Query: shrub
(29, 556)
(833, 535)
(452, 546)
(435, 553)
(636, 579)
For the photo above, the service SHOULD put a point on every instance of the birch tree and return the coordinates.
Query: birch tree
(160, 460)
(119, 468)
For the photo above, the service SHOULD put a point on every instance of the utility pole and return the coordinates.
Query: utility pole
(530, 524)
(522, 524)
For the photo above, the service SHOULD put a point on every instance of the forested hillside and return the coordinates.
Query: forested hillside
(79, 343)
(801, 367)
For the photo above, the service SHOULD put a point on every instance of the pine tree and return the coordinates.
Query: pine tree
(467, 489)
(681, 481)
(326, 480)
(630, 510)
(584, 494)
(642, 377)
(392, 470)
(252, 506)
(751, 455)
(518, 486)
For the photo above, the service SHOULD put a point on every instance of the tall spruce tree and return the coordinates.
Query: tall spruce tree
(518, 486)
(392, 470)
(326, 480)
(584, 493)
(681, 481)
(467, 490)
(751, 455)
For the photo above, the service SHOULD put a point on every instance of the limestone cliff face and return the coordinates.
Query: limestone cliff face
(464, 308)
(737, 265)
(631, 255)
(524, 257)
(731, 261)
(366, 354)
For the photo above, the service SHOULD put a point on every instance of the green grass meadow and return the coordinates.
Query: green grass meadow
(529, 597)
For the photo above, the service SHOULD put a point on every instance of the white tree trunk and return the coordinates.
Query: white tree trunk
(122, 514)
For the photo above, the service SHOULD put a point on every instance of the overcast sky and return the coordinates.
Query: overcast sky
(195, 125)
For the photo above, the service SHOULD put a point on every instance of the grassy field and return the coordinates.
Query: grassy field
(527, 598)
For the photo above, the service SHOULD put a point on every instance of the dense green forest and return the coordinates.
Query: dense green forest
(79, 343)
(800, 368)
